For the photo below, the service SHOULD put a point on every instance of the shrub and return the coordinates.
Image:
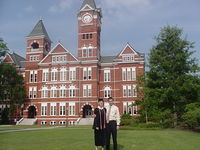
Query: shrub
(192, 115)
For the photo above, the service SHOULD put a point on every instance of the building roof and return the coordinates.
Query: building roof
(107, 59)
(39, 30)
(91, 3)
(18, 60)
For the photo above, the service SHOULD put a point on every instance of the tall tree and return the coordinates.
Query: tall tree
(172, 80)
(11, 85)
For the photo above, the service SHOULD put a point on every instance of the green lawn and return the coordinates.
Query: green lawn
(81, 138)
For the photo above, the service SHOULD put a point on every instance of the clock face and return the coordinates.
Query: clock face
(87, 18)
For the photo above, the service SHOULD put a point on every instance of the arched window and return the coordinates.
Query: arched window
(90, 51)
(84, 52)
(62, 91)
(44, 92)
(107, 92)
(35, 45)
(53, 92)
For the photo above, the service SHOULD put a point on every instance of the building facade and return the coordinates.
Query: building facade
(61, 88)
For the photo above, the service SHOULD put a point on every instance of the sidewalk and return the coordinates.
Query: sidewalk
(29, 129)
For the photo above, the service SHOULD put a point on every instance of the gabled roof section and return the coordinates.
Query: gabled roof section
(128, 49)
(17, 59)
(59, 48)
(39, 30)
(88, 3)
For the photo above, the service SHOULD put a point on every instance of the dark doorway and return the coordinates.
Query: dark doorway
(31, 112)
(87, 111)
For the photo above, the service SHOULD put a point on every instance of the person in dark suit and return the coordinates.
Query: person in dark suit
(99, 124)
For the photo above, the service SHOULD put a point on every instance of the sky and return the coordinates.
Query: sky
(134, 21)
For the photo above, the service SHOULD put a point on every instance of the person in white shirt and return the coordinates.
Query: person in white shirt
(112, 123)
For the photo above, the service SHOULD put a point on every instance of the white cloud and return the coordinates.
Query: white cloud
(29, 9)
(61, 6)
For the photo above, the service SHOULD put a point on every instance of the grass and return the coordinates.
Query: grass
(81, 138)
(14, 127)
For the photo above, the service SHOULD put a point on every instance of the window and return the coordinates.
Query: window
(87, 36)
(129, 91)
(62, 122)
(87, 73)
(107, 75)
(84, 52)
(83, 36)
(134, 89)
(35, 46)
(59, 59)
(34, 58)
(53, 123)
(72, 91)
(135, 110)
(53, 92)
(90, 54)
(43, 122)
(35, 76)
(44, 92)
(84, 73)
(125, 108)
(45, 75)
(62, 109)
(128, 58)
(130, 108)
(71, 108)
(128, 74)
(87, 90)
(31, 76)
(107, 92)
(124, 74)
(62, 91)
(54, 75)
(124, 91)
(53, 109)
(63, 74)
(32, 92)
(44, 109)
(72, 73)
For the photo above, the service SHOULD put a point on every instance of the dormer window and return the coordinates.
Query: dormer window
(59, 59)
(35, 46)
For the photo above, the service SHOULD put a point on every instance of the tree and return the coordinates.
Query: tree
(3, 49)
(172, 80)
(11, 85)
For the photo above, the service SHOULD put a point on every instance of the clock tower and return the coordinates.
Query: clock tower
(89, 29)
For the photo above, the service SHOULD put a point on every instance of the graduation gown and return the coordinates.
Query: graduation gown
(100, 122)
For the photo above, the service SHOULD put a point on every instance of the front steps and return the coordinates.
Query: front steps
(27, 121)
(85, 121)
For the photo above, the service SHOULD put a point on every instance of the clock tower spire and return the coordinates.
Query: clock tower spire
(89, 31)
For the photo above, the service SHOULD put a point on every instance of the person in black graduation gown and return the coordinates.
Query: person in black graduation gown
(99, 124)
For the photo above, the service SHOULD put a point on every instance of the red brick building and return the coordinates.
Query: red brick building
(63, 88)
